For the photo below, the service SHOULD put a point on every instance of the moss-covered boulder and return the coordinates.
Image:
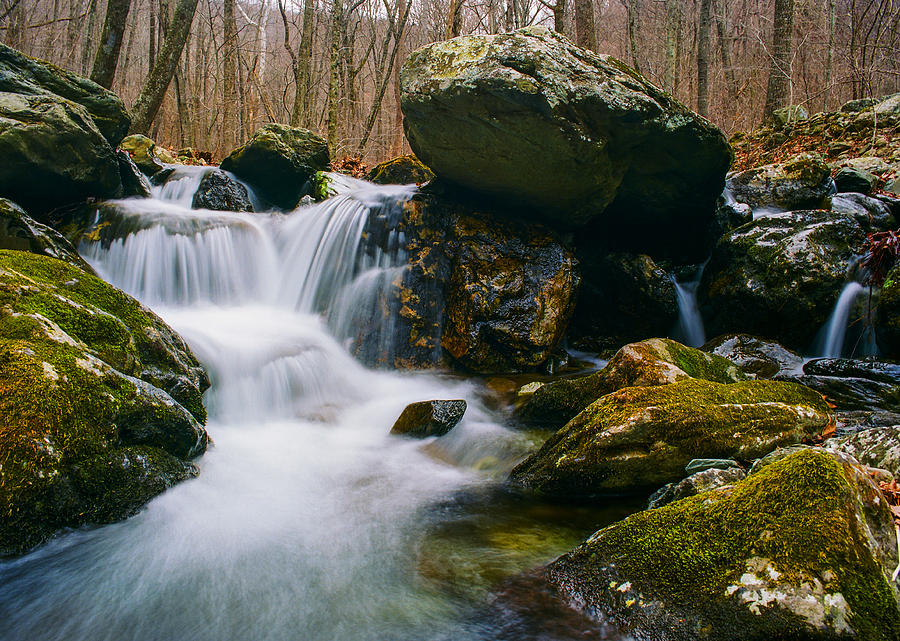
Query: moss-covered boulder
(403, 170)
(780, 275)
(801, 549)
(657, 361)
(279, 162)
(640, 438)
(544, 127)
(21, 232)
(142, 152)
(887, 328)
(219, 192)
(100, 401)
(755, 356)
(804, 182)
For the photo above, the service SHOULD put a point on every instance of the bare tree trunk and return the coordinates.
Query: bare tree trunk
(631, 14)
(88, 42)
(778, 92)
(337, 31)
(561, 17)
(229, 77)
(147, 105)
(725, 50)
(454, 19)
(703, 59)
(673, 9)
(107, 57)
(585, 31)
(829, 56)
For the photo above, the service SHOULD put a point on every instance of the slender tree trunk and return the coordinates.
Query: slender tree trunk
(703, 59)
(454, 19)
(107, 57)
(147, 105)
(151, 55)
(585, 31)
(779, 90)
(229, 77)
(88, 42)
(673, 9)
(725, 51)
(337, 30)
(631, 14)
(561, 17)
(829, 56)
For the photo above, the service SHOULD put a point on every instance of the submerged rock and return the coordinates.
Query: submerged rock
(429, 418)
(143, 152)
(802, 548)
(780, 275)
(755, 356)
(279, 162)
(218, 192)
(403, 170)
(100, 407)
(803, 182)
(21, 232)
(640, 438)
(535, 123)
(657, 361)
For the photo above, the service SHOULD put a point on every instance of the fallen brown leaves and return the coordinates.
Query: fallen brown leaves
(350, 165)
(891, 492)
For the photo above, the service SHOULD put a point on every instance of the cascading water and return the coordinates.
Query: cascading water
(308, 520)
(689, 330)
(832, 337)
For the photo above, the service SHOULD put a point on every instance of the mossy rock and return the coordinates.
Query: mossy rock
(877, 447)
(804, 182)
(801, 549)
(279, 162)
(887, 327)
(657, 361)
(142, 152)
(21, 232)
(640, 438)
(100, 406)
(403, 170)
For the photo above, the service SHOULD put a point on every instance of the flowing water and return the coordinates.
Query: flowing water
(308, 520)
(689, 330)
(832, 341)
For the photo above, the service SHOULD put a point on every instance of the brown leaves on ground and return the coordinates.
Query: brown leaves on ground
(350, 165)
(891, 492)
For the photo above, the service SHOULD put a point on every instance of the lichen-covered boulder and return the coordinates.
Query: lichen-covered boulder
(142, 152)
(218, 192)
(403, 170)
(100, 401)
(803, 182)
(780, 275)
(429, 418)
(542, 126)
(21, 232)
(623, 298)
(889, 108)
(759, 357)
(877, 447)
(657, 361)
(279, 162)
(640, 438)
(803, 548)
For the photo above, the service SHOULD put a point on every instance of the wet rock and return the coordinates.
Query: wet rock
(279, 162)
(218, 192)
(848, 179)
(696, 483)
(871, 213)
(764, 559)
(134, 183)
(855, 106)
(755, 356)
(21, 232)
(622, 298)
(853, 384)
(101, 407)
(403, 170)
(142, 152)
(657, 361)
(703, 464)
(780, 275)
(429, 418)
(877, 447)
(887, 327)
(541, 126)
(643, 437)
(803, 182)
(863, 164)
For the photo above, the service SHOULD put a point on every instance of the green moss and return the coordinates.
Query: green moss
(797, 515)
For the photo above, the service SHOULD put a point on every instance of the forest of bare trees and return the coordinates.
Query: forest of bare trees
(207, 73)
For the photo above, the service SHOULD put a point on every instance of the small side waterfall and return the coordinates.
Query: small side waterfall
(832, 337)
(689, 330)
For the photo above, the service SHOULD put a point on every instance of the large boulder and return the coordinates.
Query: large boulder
(852, 384)
(640, 438)
(100, 401)
(877, 447)
(755, 356)
(280, 162)
(803, 548)
(217, 191)
(542, 126)
(657, 361)
(780, 275)
(887, 326)
(21, 232)
(403, 170)
(803, 182)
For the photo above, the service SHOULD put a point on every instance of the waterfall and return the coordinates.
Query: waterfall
(690, 329)
(831, 337)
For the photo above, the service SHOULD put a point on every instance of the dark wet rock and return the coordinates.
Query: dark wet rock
(780, 275)
(101, 407)
(640, 438)
(877, 447)
(403, 170)
(279, 162)
(543, 127)
(703, 464)
(803, 182)
(652, 362)
(848, 179)
(21, 232)
(218, 192)
(134, 183)
(871, 213)
(731, 214)
(853, 384)
(887, 326)
(764, 559)
(696, 483)
(851, 421)
(142, 152)
(429, 418)
(622, 298)
(755, 356)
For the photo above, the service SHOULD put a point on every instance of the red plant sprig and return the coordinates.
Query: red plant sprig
(882, 250)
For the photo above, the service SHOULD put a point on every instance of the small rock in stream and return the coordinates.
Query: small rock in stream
(429, 418)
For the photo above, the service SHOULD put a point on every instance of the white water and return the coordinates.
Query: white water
(307, 515)
(830, 343)
(690, 330)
